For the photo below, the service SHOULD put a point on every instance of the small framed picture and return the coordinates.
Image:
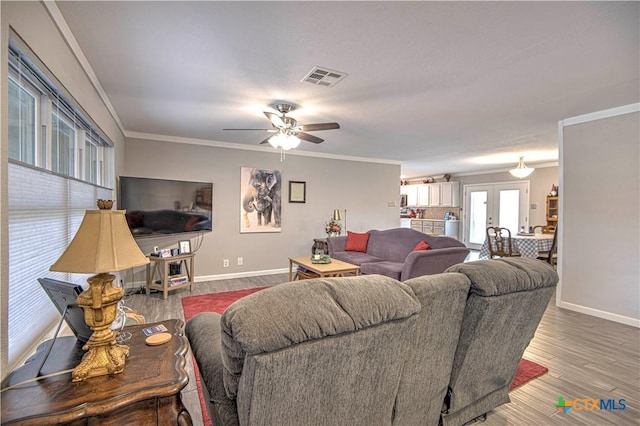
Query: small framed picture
(185, 246)
(297, 191)
(165, 253)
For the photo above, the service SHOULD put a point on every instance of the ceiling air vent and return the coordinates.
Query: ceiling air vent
(324, 77)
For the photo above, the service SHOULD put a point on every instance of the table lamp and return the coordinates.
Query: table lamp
(102, 244)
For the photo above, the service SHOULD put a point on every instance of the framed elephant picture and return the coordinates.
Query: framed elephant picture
(260, 200)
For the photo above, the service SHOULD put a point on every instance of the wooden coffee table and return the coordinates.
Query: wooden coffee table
(337, 268)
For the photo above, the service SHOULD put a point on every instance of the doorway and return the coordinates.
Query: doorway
(498, 204)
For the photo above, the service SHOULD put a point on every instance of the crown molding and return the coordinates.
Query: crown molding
(228, 145)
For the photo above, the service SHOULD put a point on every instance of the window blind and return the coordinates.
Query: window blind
(45, 211)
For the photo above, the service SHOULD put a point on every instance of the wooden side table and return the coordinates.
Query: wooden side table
(146, 393)
(158, 270)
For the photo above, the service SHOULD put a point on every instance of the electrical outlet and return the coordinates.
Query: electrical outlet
(225, 263)
(391, 203)
(240, 261)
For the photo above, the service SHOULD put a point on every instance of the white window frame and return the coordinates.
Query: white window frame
(41, 201)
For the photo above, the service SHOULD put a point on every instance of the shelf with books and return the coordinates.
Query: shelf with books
(160, 277)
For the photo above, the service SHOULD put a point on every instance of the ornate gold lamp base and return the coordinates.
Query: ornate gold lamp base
(100, 305)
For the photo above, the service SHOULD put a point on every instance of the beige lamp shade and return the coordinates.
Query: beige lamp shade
(103, 243)
(337, 215)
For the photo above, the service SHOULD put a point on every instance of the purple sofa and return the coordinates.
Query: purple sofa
(389, 252)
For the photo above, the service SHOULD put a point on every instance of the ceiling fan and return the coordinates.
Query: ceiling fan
(286, 127)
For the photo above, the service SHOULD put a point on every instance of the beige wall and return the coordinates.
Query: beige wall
(363, 189)
(600, 217)
(32, 22)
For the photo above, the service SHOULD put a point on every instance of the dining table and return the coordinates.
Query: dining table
(525, 244)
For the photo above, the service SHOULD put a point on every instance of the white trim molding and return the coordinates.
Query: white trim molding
(599, 115)
(634, 322)
(229, 145)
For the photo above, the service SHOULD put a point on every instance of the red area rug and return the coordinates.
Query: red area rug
(218, 302)
(527, 370)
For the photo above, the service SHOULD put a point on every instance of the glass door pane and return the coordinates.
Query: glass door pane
(509, 209)
(499, 204)
(478, 216)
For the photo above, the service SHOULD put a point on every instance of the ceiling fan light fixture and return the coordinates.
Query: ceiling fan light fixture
(290, 142)
(521, 171)
(284, 141)
(274, 141)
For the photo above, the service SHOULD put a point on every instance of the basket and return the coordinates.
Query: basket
(306, 275)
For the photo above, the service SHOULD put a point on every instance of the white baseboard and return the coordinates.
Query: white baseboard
(241, 275)
(634, 322)
(202, 278)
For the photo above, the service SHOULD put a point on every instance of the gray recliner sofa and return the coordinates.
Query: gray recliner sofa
(505, 305)
(311, 352)
(370, 350)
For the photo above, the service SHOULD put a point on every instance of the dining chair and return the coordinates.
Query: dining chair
(499, 242)
(541, 229)
(551, 256)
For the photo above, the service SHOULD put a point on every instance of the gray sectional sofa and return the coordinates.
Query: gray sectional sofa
(371, 350)
(389, 252)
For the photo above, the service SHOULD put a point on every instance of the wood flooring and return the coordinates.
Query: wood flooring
(587, 357)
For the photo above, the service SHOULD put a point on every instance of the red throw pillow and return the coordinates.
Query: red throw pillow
(191, 222)
(422, 245)
(134, 219)
(357, 242)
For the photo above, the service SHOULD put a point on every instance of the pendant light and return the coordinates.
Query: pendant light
(521, 170)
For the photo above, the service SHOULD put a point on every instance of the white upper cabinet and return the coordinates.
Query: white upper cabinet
(423, 195)
(434, 199)
(449, 194)
(411, 192)
(444, 194)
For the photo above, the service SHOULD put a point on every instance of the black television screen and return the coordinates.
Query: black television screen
(162, 206)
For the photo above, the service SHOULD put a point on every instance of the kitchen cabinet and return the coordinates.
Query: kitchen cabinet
(423, 195)
(445, 194)
(411, 191)
(552, 212)
(450, 194)
(429, 226)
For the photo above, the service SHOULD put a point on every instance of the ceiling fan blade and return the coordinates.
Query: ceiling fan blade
(275, 119)
(266, 140)
(318, 126)
(309, 138)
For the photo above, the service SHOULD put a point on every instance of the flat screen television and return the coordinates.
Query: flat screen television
(161, 206)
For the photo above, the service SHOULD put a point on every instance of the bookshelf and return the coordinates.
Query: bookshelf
(162, 276)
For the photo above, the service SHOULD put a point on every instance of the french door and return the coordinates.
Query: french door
(500, 204)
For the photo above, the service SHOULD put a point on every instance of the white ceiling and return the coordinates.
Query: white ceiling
(442, 87)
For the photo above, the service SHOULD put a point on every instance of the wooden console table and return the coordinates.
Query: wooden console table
(158, 270)
(146, 393)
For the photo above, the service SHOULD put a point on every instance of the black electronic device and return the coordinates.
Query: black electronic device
(63, 295)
